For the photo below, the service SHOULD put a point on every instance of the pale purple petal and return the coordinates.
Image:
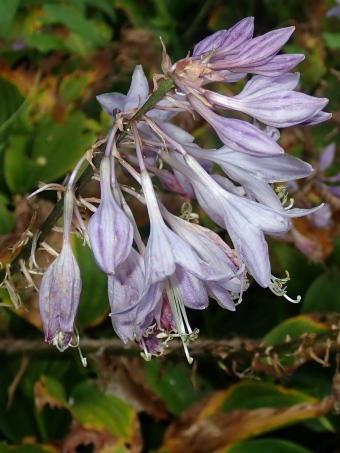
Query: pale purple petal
(259, 85)
(327, 156)
(320, 117)
(238, 135)
(110, 231)
(111, 102)
(257, 51)
(221, 295)
(278, 109)
(226, 41)
(192, 290)
(139, 90)
(124, 289)
(335, 11)
(269, 169)
(280, 64)
(59, 296)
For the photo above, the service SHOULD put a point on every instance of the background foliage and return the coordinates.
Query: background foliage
(265, 378)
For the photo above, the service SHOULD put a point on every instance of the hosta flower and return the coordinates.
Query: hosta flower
(245, 220)
(124, 289)
(335, 11)
(60, 288)
(182, 264)
(236, 134)
(109, 230)
(274, 107)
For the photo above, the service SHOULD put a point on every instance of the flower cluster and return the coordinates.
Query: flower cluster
(183, 263)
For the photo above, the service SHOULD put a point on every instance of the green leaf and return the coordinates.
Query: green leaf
(105, 6)
(72, 19)
(332, 40)
(44, 43)
(323, 295)
(265, 445)
(11, 100)
(19, 170)
(26, 448)
(94, 305)
(174, 386)
(47, 154)
(72, 86)
(8, 9)
(254, 395)
(6, 217)
(294, 328)
(94, 410)
(53, 391)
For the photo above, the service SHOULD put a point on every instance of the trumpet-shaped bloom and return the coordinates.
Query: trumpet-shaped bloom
(238, 135)
(109, 230)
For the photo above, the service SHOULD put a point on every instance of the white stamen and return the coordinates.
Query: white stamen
(276, 286)
(58, 341)
(146, 354)
(180, 317)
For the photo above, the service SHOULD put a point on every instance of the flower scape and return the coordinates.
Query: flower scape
(183, 264)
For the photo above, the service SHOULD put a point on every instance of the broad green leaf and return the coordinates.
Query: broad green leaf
(332, 40)
(44, 43)
(323, 295)
(72, 86)
(19, 170)
(264, 446)
(8, 9)
(72, 19)
(26, 448)
(6, 217)
(47, 154)
(49, 390)
(174, 386)
(94, 410)
(94, 304)
(254, 395)
(106, 6)
(293, 328)
(11, 100)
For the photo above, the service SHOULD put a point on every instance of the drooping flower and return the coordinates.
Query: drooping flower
(109, 230)
(124, 289)
(60, 288)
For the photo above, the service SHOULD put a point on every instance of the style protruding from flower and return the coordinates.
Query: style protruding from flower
(182, 264)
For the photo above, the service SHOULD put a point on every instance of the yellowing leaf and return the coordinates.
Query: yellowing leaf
(244, 410)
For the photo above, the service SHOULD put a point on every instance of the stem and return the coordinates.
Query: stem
(50, 221)
(245, 352)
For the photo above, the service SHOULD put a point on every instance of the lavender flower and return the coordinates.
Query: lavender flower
(335, 11)
(183, 264)
(60, 288)
(124, 289)
(109, 230)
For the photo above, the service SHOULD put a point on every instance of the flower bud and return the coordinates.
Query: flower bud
(59, 298)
